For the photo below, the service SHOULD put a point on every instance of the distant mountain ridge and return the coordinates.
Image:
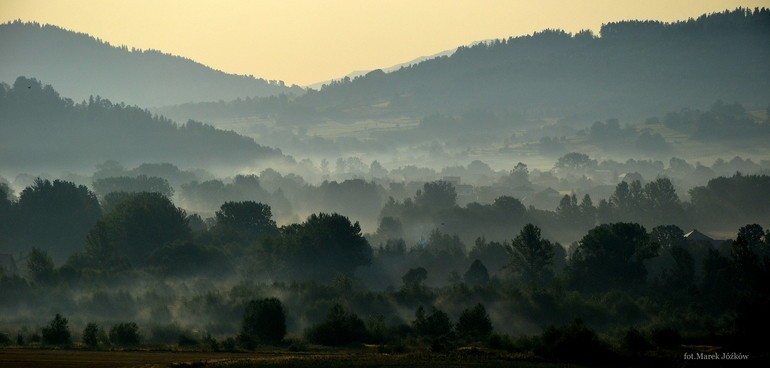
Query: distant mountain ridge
(359, 73)
(633, 68)
(39, 131)
(80, 65)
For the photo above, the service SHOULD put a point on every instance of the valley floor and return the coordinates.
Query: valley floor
(38, 358)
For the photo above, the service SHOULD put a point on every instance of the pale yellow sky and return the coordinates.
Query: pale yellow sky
(307, 41)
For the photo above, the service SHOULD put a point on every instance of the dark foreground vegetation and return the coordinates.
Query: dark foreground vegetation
(149, 276)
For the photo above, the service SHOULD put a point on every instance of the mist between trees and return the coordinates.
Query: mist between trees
(125, 265)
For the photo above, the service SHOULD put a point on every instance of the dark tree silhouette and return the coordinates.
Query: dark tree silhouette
(474, 324)
(244, 222)
(136, 225)
(339, 328)
(40, 266)
(55, 216)
(91, 335)
(611, 256)
(476, 274)
(125, 334)
(531, 256)
(414, 278)
(57, 332)
(264, 321)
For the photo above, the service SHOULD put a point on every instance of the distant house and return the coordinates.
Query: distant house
(8, 265)
(698, 237)
(631, 177)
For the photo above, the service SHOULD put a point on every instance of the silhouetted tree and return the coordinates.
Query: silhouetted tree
(138, 224)
(436, 195)
(414, 278)
(91, 335)
(264, 321)
(339, 328)
(125, 334)
(323, 246)
(611, 256)
(476, 274)
(55, 216)
(436, 324)
(57, 332)
(244, 222)
(531, 256)
(40, 266)
(474, 323)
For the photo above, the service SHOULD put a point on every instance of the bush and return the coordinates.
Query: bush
(474, 324)
(435, 325)
(228, 344)
(125, 334)
(91, 335)
(185, 340)
(4, 339)
(573, 343)
(166, 334)
(340, 328)
(211, 342)
(57, 332)
(264, 321)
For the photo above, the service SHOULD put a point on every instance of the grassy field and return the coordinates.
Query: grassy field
(38, 358)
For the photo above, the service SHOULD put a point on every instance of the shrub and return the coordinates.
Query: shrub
(91, 335)
(185, 340)
(211, 342)
(573, 343)
(436, 324)
(264, 321)
(228, 344)
(125, 334)
(340, 328)
(57, 332)
(474, 324)
(4, 339)
(166, 334)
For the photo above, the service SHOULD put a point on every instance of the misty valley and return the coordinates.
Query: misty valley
(556, 198)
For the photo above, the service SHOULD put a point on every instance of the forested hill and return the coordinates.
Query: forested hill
(632, 69)
(80, 65)
(39, 130)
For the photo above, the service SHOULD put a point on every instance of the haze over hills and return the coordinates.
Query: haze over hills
(39, 130)
(632, 69)
(80, 65)
(359, 73)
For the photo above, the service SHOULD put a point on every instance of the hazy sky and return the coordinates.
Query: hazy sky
(309, 41)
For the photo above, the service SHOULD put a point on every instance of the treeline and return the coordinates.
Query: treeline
(45, 131)
(717, 206)
(68, 211)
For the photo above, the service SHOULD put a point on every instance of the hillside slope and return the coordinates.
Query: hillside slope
(80, 66)
(39, 130)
